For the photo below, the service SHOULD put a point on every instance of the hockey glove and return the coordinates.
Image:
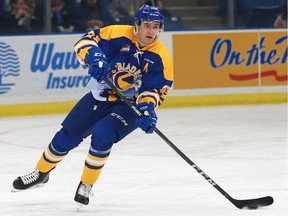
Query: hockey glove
(147, 122)
(98, 67)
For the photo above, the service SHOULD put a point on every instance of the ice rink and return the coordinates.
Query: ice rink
(242, 148)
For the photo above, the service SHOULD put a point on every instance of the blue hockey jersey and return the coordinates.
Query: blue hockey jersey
(142, 74)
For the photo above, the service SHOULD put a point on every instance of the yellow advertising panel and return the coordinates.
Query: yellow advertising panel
(274, 58)
(230, 59)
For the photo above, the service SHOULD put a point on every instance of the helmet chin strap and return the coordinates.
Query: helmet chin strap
(135, 30)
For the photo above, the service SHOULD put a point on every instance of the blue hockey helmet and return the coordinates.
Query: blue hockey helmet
(149, 13)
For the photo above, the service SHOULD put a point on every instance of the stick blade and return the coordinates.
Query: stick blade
(254, 203)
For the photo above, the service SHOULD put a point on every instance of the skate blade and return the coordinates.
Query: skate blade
(78, 207)
(33, 187)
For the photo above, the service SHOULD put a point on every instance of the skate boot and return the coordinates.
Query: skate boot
(82, 194)
(32, 180)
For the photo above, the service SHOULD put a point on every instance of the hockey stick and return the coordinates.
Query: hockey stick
(241, 204)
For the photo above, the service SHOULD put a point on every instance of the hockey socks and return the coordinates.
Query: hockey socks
(93, 165)
(49, 159)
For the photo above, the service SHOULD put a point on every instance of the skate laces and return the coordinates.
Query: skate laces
(85, 190)
(30, 178)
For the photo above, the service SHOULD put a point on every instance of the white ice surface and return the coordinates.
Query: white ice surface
(242, 148)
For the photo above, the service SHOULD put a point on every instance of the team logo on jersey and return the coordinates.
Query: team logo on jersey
(9, 67)
(125, 48)
(123, 80)
(126, 76)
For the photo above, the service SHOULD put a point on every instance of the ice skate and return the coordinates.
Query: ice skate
(82, 195)
(32, 180)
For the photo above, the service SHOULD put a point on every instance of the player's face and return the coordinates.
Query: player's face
(147, 31)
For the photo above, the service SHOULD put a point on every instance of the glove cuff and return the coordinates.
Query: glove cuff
(95, 54)
(148, 97)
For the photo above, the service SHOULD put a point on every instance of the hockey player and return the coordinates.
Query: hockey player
(139, 65)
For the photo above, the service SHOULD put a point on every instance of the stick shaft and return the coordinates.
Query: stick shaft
(175, 148)
(238, 203)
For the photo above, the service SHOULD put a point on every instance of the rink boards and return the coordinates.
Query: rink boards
(40, 75)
